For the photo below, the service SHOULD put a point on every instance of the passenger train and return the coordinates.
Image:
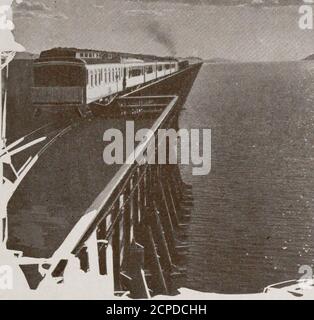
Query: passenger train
(69, 77)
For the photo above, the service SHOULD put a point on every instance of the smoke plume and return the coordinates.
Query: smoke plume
(156, 31)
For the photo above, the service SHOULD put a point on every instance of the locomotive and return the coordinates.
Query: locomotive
(70, 77)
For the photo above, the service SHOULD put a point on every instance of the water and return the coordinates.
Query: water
(253, 218)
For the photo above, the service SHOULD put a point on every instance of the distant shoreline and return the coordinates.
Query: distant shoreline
(214, 61)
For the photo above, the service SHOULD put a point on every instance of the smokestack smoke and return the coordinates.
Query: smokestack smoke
(164, 38)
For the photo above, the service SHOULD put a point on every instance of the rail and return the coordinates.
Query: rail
(105, 201)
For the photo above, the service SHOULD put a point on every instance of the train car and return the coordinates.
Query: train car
(134, 72)
(160, 70)
(183, 64)
(103, 80)
(150, 72)
(69, 77)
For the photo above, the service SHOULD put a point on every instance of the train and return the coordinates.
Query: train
(70, 77)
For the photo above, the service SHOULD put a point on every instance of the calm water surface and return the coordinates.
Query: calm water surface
(253, 218)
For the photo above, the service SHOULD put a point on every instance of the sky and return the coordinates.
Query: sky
(242, 30)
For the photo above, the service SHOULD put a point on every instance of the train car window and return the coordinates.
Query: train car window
(136, 72)
(105, 75)
(159, 67)
(149, 69)
(96, 84)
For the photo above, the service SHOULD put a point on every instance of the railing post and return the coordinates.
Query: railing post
(102, 247)
(131, 206)
(93, 254)
(138, 285)
(138, 208)
(116, 249)
(110, 266)
(160, 285)
(140, 195)
(127, 222)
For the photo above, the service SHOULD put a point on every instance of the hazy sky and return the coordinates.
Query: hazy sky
(245, 30)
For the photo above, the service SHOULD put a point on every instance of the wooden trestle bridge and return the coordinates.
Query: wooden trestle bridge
(134, 233)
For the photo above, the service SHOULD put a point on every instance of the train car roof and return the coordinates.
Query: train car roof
(99, 55)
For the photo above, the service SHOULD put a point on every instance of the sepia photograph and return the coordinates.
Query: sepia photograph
(156, 150)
